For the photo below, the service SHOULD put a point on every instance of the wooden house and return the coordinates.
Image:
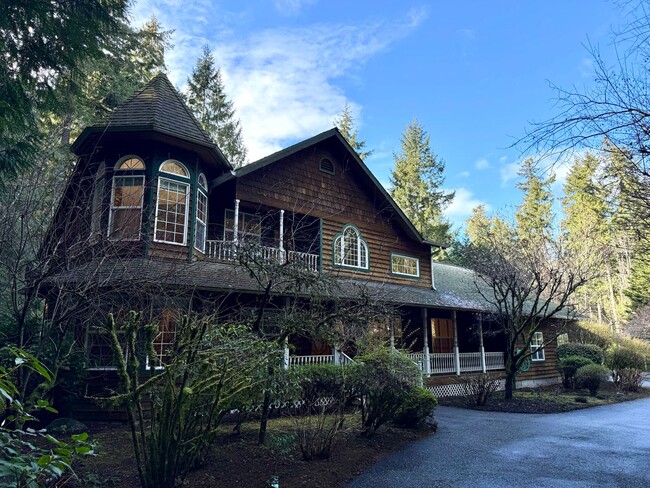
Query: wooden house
(153, 201)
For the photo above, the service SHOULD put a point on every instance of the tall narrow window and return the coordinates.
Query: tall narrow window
(125, 219)
(537, 347)
(350, 249)
(201, 214)
(172, 204)
(163, 343)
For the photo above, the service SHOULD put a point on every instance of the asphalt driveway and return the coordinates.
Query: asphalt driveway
(598, 447)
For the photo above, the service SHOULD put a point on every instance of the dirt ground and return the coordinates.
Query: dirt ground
(552, 399)
(238, 461)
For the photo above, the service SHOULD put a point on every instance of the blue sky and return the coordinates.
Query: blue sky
(474, 73)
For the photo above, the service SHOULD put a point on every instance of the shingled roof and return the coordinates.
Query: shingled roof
(159, 108)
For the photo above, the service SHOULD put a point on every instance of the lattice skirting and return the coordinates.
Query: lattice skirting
(455, 389)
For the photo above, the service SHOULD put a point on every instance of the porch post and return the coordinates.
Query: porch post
(281, 246)
(285, 357)
(236, 224)
(392, 334)
(456, 353)
(425, 338)
(480, 335)
(337, 356)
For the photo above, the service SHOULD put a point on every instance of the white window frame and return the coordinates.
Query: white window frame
(201, 248)
(537, 347)
(392, 265)
(93, 330)
(112, 207)
(187, 209)
(339, 242)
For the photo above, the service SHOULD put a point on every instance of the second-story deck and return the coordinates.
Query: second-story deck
(228, 250)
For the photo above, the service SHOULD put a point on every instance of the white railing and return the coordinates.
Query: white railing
(443, 362)
(344, 358)
(494, 360)
(221, 250)
(310, 261)
(469, 361)
(305, 360)
(227, 251)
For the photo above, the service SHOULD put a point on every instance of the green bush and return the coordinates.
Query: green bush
(589, 351)
(590, 376)
(568, 367)
(624, 358)
(417, 404)
(323, 381)
(382, 380)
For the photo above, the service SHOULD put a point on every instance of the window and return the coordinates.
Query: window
(249, 227)
(171, 212)
(404, 265)
(350, 249)
(125, 218)
(537, 347)
(174, 168)
(442, 335)
(326, 166)
(163, 343)
(201, 214)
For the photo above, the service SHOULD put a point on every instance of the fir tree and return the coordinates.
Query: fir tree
(477, 226)
(534, 217)
(346, 124)
(207, 98)
(417, 184)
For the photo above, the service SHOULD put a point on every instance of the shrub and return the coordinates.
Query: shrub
(568, 367)
(590, 376)
(323, 381)
(381, 380)
(628, 379)
(417, 405)
(478, 388)
(589, 351)
(581, 399)
(624, 358)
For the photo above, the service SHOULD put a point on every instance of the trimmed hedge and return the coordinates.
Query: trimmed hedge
(590, 351)
(417, 405)
(568, 367)
(590, 376)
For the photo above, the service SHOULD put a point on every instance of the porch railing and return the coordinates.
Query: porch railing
(469, 361)
(227, 251)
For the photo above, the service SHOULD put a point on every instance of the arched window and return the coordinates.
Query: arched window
(174, 168)
(201, 214)
(172, 204)
(350, 249)
(125, 218)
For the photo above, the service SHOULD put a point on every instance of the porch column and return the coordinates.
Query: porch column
(281, 245)
(337, 356)
(236, 223)
(482, 347)
(285, 357)
(425, 338)
(392, 334)
(456, 352)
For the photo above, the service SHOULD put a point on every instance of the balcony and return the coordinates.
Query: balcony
(225, 250)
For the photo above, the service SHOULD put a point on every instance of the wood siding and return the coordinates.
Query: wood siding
(348, 197)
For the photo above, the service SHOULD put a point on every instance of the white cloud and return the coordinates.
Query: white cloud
(464, 174)
(509, 172)
(462, 205)
(482, 164)
(291, 7)
(282, 81)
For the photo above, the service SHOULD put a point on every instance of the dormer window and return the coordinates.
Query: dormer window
(201, 214)
(350, 249)
(125, 218)
(172, 203)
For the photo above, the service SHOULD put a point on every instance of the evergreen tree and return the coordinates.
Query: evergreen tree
(346, 124)
(417, 184)
(534, 217)
(477, 226)
(41, 42)
(207, 98)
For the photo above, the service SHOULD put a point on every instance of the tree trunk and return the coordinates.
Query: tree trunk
(266, 407)
(510, 385)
